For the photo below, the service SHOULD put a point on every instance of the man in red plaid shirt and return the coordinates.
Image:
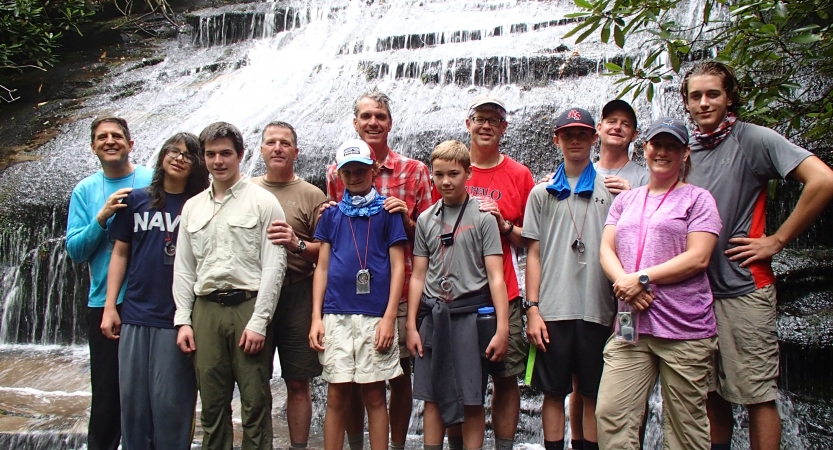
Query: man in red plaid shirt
(406, 183)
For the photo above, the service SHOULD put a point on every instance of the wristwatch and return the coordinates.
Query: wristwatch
(301, 247)
(528, 304)
(644, 280)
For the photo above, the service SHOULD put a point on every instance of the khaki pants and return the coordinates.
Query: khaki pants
(219, 363)
(684, 370)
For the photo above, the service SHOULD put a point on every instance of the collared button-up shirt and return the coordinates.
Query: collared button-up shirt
(401, 177)
(223, 246)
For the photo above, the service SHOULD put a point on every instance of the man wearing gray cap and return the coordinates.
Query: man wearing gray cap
(502, 185)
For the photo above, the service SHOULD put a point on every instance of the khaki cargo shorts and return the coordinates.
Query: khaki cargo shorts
(747, 357)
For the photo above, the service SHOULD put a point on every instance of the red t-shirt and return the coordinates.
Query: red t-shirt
(509, 184)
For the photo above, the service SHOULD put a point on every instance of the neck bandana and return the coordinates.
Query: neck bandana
(713, 139)
(361, 205)
(560, 188)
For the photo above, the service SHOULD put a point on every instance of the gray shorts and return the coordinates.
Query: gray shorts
(468, 365)
(747, 341)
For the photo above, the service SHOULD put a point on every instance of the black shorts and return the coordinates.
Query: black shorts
(576, 346)
(290, 330)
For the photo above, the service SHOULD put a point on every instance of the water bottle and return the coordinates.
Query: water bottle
(486, 327)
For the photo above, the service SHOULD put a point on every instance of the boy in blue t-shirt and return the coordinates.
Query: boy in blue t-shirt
(458, 271)
(157, 383)
(356, 288)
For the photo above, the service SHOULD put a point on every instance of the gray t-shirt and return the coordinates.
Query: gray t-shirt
(736, 173)
(464, 262)
(573, 284)
(635, 174)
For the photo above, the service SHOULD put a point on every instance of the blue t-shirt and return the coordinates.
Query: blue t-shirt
(86, 239)
(386, 229)
(148, 300)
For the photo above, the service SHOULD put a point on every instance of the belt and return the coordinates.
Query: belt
(230, 297)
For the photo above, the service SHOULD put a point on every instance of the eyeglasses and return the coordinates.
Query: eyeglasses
(174, 154)
(482, 120)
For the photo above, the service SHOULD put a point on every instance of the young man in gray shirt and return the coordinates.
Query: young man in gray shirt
(735, 161)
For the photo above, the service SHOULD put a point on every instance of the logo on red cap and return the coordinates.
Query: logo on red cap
(574, 114)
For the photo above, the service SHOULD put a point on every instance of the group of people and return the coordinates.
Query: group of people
(633, 276)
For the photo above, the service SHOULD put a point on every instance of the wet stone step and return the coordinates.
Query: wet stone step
(801, 272)
(492, 71)
(413, 41)
(236, 26)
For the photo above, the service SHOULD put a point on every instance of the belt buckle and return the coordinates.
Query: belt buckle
(221, 295)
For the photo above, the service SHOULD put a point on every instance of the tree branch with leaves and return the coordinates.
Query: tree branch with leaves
(782, 52)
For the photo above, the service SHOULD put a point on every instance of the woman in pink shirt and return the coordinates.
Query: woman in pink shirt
(655, 248)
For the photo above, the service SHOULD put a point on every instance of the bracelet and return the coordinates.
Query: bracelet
(511, 227)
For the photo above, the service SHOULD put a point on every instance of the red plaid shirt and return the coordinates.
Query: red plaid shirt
(404, 178)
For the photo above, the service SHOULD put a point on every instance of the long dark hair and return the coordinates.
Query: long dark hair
(197, 179)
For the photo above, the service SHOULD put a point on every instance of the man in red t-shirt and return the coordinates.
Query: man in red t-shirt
(503, 186)
(406, 184)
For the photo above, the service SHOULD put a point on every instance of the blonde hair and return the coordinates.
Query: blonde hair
(454, 151)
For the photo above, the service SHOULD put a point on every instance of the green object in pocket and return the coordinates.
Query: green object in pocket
(530, 364)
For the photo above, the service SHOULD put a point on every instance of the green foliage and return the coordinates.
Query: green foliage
(30, 29)
(781, 50)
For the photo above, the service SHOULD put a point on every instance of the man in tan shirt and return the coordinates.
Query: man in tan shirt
(226, 261)
(293, 317)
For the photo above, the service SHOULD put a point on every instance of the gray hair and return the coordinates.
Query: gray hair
(374, 94)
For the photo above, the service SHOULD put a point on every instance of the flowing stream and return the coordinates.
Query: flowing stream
(304, 62)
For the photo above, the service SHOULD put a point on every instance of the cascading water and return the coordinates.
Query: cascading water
(304, 63)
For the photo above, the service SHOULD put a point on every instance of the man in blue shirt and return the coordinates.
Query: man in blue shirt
(93, 203)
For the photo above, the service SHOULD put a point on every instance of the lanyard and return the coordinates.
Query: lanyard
(459, 216)
(446, 269)
(644, 236)
(362, 264)
(169, 233)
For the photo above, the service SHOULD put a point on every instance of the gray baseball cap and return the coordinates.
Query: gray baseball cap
(674, 127)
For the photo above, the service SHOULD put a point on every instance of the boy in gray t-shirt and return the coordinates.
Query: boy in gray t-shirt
(458, 266)
(570, 303)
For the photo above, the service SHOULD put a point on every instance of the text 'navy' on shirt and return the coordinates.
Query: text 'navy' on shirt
(148, 300)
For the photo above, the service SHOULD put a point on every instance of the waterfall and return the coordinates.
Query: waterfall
(304, 62)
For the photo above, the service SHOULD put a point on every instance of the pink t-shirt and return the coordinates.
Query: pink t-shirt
(681, 310)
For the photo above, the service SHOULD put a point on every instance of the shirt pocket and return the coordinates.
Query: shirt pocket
(395, 188)
(201, 239)
(244, 234)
